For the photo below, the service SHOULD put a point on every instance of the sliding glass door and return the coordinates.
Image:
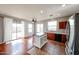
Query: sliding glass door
(17, 30)
(14, 32)
(20, 30)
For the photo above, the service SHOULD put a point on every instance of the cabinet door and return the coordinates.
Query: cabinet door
(63, 38)
(58, 38)
(62, 25)
(51, 36)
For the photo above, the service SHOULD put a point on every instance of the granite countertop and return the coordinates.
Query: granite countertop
(56, 32)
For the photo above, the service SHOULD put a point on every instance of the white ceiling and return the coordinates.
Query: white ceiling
(28, 11)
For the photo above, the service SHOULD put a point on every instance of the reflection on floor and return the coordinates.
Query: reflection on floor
(25, 47)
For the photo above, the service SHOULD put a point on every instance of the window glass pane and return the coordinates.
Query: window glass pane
(14, 31)
(29, 28)
(30, 25)
(17, 30)
(14, 28)
(39, 28)
(20, 29)
(52, 25)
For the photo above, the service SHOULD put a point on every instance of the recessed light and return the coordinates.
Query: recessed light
(63, 5)
(41, 11)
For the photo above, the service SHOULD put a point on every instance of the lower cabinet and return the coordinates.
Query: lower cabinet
(56, 37)
(63, 38)
(51, 36)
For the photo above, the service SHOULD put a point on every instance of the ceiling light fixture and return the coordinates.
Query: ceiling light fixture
(41, 11)
(34, 20)
(63, 5)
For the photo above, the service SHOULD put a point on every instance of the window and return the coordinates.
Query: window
(17, 30)
(30, 28)
(20, 29)
(52, 25)
(39, 29)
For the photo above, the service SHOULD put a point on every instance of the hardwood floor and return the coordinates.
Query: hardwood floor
(22, 46)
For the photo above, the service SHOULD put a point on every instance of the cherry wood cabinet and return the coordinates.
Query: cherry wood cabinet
(51, 36)
(56, 37)
(63, 38)
(62, 25)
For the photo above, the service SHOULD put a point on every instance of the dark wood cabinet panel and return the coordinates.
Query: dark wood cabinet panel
(62, 25)
(57, 37)
(63, 38)
(51, 36)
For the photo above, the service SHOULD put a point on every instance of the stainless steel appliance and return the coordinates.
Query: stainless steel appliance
(72, 30)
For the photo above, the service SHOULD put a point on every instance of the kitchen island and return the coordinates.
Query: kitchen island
(40, 40)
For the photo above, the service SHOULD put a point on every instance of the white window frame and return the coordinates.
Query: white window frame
(40, 29)
(30, 28)
(52, 25)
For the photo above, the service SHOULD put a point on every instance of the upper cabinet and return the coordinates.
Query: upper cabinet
(62, 25)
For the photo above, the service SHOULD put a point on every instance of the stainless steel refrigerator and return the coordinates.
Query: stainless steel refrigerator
(72, 30)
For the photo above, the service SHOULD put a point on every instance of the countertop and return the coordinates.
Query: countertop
(39, 34)
(56, 32)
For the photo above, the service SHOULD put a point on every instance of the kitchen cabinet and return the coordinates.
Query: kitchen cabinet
(51, 36)
(57, 37)
(63, 38)
(62, 25)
